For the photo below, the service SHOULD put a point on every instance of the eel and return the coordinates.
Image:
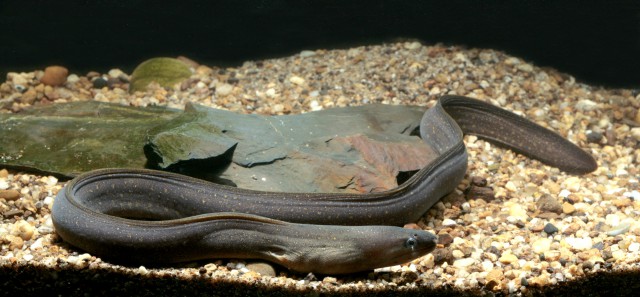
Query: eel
(155, 217)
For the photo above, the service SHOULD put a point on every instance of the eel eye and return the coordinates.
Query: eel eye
(411, 242)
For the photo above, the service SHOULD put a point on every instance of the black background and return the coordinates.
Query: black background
(598, 42)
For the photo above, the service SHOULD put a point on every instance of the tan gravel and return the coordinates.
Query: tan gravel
(493, 229)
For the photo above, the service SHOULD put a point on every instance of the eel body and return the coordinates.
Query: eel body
(146, 216)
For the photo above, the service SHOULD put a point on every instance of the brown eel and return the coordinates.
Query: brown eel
(148, 217)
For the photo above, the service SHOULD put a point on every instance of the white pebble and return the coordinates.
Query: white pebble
(3, 184)
(223, 89)
(51, 181)
(586, 104)
(635, 132)
(620, 228)
(48, 201)
(37, 244)
(464, 262)
(271, 93)
(564, 193)
(487, 265)
(115, 73)
(27, 257)
(541, 245)
(518, 212)
(579, 244)
(635, 195)
(296, 80)
(307, 53)
(634, 247)
(315, 106)
(143, 270)
(511, 186)
(612, 220)
(412, 45)
(448, 222)
(73, 78)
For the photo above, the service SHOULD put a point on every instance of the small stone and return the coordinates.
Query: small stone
(297, 80)
(17, 79)
(15, 242)
(223, 89)
(445, 239)
(579, 244)
(9, 195)
(586, 104)
(550, 229)
(412, 45)
(263, 268)
(448, 222)
(457, 254)
(100, 82)
(518, 212)
(307, 53)
(54, 76)
(73, 78)
(465, 262)
(594, 137)
(4, 173)
(115, 73)
(568, 208)
(571, 229)
(3, 184)
(541, 245)
(511, 186)
(29, 96)
(23, 229)
(508, 258)
(620, 228)
(547, 203)
(494, 278)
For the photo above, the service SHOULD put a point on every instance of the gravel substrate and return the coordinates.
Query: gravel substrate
(514, 226)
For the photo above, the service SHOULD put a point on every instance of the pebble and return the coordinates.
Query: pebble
(550, 229)
(541, 245)
(54, 76)
(579, 244)
(568, 208)
(3, 184)
(23, 229)
(264, 269)
(464, 262)
(448, 222)
(9, 195)
(99, 82)
(223, 89)
(548, 203)
(620, 228)
(297, 80)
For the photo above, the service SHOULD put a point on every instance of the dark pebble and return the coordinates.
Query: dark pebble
(594, 137)
(494, 250)
(100, 83)
(550, 228)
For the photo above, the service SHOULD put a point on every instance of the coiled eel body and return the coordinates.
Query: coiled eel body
(145, 216)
